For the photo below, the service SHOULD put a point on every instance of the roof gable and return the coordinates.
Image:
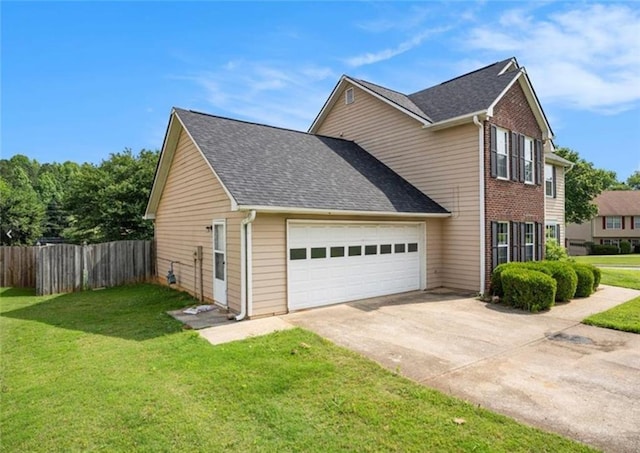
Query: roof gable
(268, 167)
(453, 101)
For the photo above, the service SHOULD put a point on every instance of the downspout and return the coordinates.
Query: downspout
(245, 265)
(483, 241)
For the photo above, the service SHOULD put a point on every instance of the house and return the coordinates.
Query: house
(618, 220)
(385, 193)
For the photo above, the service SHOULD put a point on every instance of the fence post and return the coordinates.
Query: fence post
(85, 270)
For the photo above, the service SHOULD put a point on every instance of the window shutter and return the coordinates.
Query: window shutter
(523, 242)
(539, 178)
(522, 152)
(515, 156)
(494, 244)
(604, 222)
(632, 223)
(623, 222)
(494, 151)
(558, 233)
(515, 241)
(539, 240)
(554, 182)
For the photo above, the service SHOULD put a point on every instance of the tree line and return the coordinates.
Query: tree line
(74, 202)
(97, 203)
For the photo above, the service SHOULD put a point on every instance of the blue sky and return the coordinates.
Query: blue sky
(81, 80)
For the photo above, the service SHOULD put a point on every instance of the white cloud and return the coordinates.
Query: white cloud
(586, 58)
(273, 93)
(385, 54)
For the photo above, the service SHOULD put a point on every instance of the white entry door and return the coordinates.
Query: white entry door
(342, 261)
(219, 262)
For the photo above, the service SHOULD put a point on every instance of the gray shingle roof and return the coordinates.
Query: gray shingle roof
(466, 94)
(267, 166)
(396, 97)
(469, 93)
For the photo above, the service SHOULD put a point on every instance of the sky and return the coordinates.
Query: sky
(81, 80)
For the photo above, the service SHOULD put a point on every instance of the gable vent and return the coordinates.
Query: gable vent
(349, 96)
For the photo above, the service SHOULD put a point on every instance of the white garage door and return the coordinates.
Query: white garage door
(337, 262)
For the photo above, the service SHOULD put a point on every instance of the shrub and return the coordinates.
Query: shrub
(528, 289)
(636, 249)
(597, 275)
(554, 251)
(599, 249)
(585, 279)
(564, 275)
(625, 247)
(496, 280)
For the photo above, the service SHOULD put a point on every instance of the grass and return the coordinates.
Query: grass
(610, 260)
(110, 371)
(625, 317)
(625, 278)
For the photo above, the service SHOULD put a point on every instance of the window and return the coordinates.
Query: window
(298, 254)
(635, 221)
(337, 252)
(385, 249)
(355, 250)
(502, 150)
(500, 242)
(529, 241)
(412, 247)
(552, 231)
(549, 181)
(614, 222)
(370, 249)
(349, 96)
(615, 242)
(318, 252)
(399, 248)
(528, 161)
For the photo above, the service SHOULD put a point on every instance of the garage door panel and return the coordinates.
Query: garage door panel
(340, 274)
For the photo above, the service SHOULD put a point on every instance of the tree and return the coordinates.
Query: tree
(583, 183)
(107, 201)
(21, 212)
(633, 181)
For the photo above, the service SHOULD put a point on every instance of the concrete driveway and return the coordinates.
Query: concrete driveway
(546, 369)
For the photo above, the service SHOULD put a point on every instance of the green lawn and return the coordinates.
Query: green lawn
(109, 370)
(624, 317)
(610, 260)
(625, 278)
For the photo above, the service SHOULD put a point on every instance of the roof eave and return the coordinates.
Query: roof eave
(337, 212)
(455, 121)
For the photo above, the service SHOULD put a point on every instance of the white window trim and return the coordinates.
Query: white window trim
(505, 245)
(548, 179)
(529, 147)
(502, 149)
(531, 244)
(612, 225)
(553, 225)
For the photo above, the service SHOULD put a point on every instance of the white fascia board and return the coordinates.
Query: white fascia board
(234, 204)
(558, 160)
(523, 79)
(162, 168)
(333, 98)
(335, 212)
(456, 121)
(513, 62)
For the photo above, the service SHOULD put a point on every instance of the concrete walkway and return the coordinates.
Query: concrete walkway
(545, 369)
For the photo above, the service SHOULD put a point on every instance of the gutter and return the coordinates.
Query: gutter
(483, 241)
(246, 293)
(319, 211)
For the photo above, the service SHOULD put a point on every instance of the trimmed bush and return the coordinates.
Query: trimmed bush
(599, 249)
(625, 247)
(528, 289)
(585, 279)
(496, 280)
(565, 276)
(597, 275)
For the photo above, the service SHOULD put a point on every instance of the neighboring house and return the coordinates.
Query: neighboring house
(618, 220)
(386, 193)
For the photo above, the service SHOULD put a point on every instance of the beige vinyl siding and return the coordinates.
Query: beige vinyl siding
(192, 198)
(554, 207)
(443, 164)
(269, 257)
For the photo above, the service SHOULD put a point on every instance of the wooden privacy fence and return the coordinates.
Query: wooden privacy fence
(18, 267)
(66, 268)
